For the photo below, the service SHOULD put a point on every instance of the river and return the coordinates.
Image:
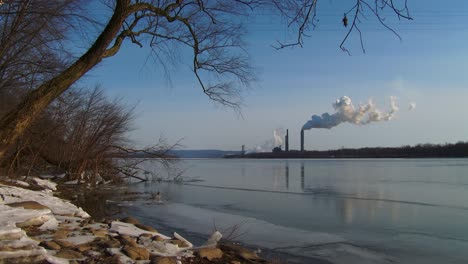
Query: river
(336, 210)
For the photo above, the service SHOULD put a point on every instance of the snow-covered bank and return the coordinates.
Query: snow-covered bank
(37, 227)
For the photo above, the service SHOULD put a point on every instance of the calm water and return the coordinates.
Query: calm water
(342, 211)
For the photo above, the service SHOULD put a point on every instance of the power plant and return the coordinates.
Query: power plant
(302, 140)
(286, 140)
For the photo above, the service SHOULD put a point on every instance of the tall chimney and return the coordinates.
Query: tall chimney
(286, 146)
(302, 139)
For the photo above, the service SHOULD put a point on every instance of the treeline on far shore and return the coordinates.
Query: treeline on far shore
(457, 150)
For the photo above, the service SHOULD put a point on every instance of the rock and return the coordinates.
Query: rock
(69, 254)
(178, 242)
(29, 205)
(145, 227)
(130, 220)
(158, 238)
(64, 244)
(62, 233)
(127, 240)
(136, 253)
(235, 262)
(210, 253)
(111, 243)
(146, 235)
(115, 259)
(24, 259)
(240, 251)
(249, 255)
(100, 233)
(163, 260)
(85, 247)
(50, 245)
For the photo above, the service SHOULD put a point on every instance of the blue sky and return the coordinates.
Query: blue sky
(427, 67)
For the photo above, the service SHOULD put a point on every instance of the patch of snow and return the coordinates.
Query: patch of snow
(78, 240)
(59, 206)
(51, 224)
(11, 232)
(16, 244)
(22, 253)
(45, 183)
(71, 182)
(55, 260)
(21, 183)
(181, 238)
(213, 240)
(131, 230)
(12, 215)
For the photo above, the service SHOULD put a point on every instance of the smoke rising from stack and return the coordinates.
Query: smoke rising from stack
(346, 112)
(278, 135)
(268, 145)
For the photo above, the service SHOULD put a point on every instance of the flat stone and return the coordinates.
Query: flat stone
(50, 245)
(130, 220)
(210, 253)
(29, 205)
(69, 254)
(163, 260)
(147, 228)
(136, 253)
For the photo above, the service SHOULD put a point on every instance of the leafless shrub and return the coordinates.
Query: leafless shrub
(232, 233)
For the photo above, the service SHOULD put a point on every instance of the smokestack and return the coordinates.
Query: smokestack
(286, 146)
(302, 139)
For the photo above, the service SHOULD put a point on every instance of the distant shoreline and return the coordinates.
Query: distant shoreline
(457, 150)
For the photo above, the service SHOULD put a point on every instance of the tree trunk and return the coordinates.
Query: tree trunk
(15, 123)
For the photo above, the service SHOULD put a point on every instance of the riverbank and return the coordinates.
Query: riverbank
(38, 227)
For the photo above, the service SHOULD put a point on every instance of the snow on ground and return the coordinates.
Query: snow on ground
(45, 183)
(58, 206)
(131, 230)
(41, 209)
(12, 218)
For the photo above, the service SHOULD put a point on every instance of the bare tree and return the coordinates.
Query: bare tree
(212, 30)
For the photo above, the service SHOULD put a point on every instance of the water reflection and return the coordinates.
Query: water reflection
(302, 176)
(363, 204)
(395, 204)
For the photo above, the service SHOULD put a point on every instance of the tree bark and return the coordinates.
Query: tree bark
(15, 123)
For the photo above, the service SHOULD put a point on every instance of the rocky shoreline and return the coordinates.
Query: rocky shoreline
(38, 227)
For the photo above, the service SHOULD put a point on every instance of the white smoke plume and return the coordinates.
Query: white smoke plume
(346, 112)
(278, 135)
(411, 106)
(268, 145)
